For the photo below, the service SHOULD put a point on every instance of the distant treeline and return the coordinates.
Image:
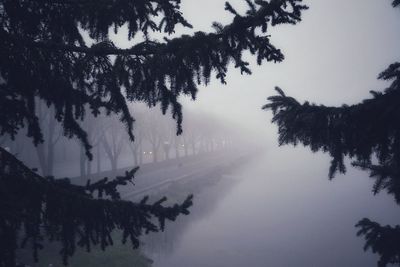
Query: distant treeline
(155, 140)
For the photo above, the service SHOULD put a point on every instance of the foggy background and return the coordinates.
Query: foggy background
(285, 211)
(332, 57)
(279, 209)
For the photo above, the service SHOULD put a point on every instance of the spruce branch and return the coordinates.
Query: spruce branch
(71, 214)
(139, 73)
(357, 131)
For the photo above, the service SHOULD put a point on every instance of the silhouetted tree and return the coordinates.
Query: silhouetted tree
(44, 55)
(169, 139)
(73, 215)
(368, 132)
(154, 134)
(113, 142)
(137, 146)
(45, 151)
(191, 134)
(95, 132)
(16, 148)
(176, 143)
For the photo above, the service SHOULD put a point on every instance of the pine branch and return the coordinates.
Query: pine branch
(356, 131)
(139, 15)
(43, 207)
(151, 72)
(383, 240)
(99, 49)
(386, 175)
(274, 12)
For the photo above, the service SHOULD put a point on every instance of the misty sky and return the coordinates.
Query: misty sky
(332, 57)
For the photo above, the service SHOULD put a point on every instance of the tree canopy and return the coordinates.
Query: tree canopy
(44, 55)
(368, 133)
(73, 215)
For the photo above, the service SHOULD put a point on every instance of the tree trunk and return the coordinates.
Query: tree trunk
(166, 153)
(50, 158)
(8, 243)
(114, 164)
(64, 153)
(42, 158)
(177, 151)
(51, 145)
(82, 160)
(194, 148)
(88, 168)
(140, 156)
(136, 158)
(98, 158)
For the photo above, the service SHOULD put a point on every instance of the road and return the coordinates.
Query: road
(202, 166)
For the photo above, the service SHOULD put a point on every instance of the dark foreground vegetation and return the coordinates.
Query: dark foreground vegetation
(47, 65)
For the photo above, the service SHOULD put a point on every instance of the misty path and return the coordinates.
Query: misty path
(280, 210)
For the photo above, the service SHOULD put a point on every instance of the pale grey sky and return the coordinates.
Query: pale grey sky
(332, 57)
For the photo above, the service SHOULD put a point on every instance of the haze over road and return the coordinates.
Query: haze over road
(270, 218)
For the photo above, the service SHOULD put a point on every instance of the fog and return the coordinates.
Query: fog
(284, 211)
(332, 57)
(278, 214)
(278, 207)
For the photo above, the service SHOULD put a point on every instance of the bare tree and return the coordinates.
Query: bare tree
(113, 141)
(95, 133)
(52, 132)
(154, 132)
(177, 144)
(193, 132)
(136, 147)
